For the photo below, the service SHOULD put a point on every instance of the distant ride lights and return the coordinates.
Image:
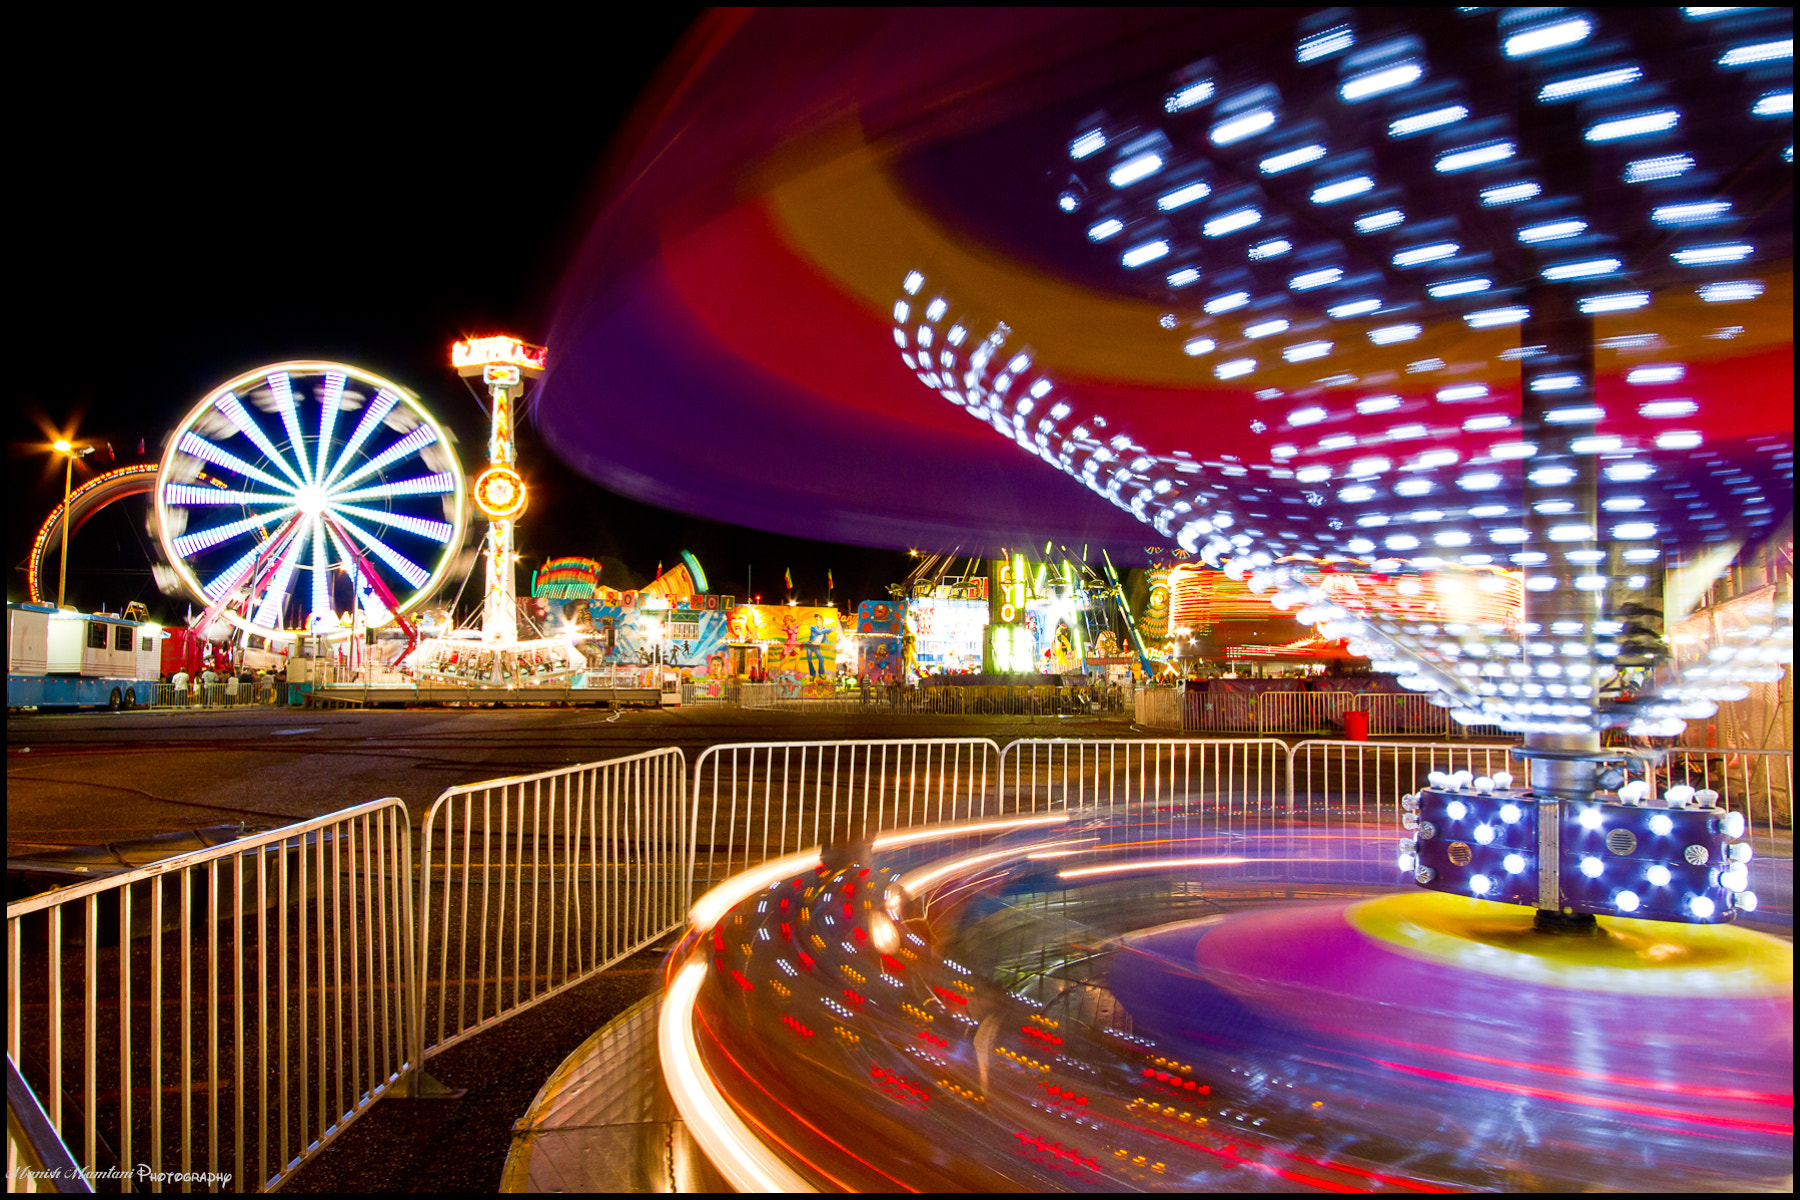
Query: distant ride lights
(495, 656)
(1535, 413)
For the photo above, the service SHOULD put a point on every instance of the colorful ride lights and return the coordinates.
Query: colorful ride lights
(1617, 858)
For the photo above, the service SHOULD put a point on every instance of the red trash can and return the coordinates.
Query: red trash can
(1356, 725)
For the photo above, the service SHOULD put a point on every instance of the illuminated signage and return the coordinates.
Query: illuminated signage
(485, 351)
(500, 493)
(501, 375)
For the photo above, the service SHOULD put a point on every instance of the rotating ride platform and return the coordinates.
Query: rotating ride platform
(1383, 293)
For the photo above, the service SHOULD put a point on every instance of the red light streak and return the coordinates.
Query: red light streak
(1659, 1085)
(770, 1134)
(1625, 1106)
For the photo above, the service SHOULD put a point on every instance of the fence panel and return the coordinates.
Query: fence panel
(1350, 791)
(1159, 708)
(530, 885)
(990, 700)
(754, 801)
(1757, 783)
(1184, 791)
(227, 1012)
(1305, 712)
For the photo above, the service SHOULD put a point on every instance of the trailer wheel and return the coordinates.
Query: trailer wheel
(131, 699)
(117, 702)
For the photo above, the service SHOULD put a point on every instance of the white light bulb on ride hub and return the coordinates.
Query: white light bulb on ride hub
(1591, 866)
(1626, 901)
(1734, 825)
(1702, 907)
(1659, 876)
(1511, 813)
(1456, 810)
(1484, 834)
(1503, 780)
(1481, 885)
(1514, 863)
(1661, 825)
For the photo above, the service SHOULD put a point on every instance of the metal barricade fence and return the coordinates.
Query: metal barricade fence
(1340, 790)
(530, 885)
(1018, 700)
(1757, 783)
(226, 1012)
(753, 801)
(1158, 708)
(1403, 714)
(1304, 712)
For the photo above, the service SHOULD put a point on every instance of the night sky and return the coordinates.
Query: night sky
(199, 213)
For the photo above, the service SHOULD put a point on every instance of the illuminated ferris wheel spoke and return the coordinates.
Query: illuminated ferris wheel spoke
(437, 531)
(233, 408)
(231, 576)
(321, 578)
(285, 405)
(412, 572)
(190, 496)
(423, 485)
(368, 597)
(198, 447)
(328, 408)
(204, 539)
(283, 579)
(412, 443)
(374, 413)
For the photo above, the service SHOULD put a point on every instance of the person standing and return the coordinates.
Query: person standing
(231, 688)
(209, 687)
(181, 688)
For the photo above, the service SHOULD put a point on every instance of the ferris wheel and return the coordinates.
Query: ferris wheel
(302, 491)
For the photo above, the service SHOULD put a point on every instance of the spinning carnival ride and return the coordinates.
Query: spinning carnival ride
(303, 493)
(1399, 291)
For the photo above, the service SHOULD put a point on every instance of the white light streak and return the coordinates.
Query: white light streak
(1342, 189)
(1475, 156)
(1377, 83)
(1420, 255)
(1509, 193)
(1136, 168)
(1307, 280)
(1236, 129)
(1640, 125)
(1183, 196)
(1434, 118)
(1275, 164)
(1583, 85)
(1087, 144)
(1148, 252)
(1231, 222)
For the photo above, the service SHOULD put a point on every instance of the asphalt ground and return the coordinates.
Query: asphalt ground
(86, 779)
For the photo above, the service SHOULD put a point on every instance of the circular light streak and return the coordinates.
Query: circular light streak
(500, 493)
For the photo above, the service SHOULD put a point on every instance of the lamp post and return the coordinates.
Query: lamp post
(70, 453)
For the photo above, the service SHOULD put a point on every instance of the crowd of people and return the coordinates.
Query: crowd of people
(226, 689)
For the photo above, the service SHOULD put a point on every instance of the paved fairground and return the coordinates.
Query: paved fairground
(84, 779)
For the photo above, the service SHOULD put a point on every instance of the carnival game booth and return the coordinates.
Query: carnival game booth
(798, 646)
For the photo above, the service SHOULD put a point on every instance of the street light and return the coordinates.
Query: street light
(70, 453)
